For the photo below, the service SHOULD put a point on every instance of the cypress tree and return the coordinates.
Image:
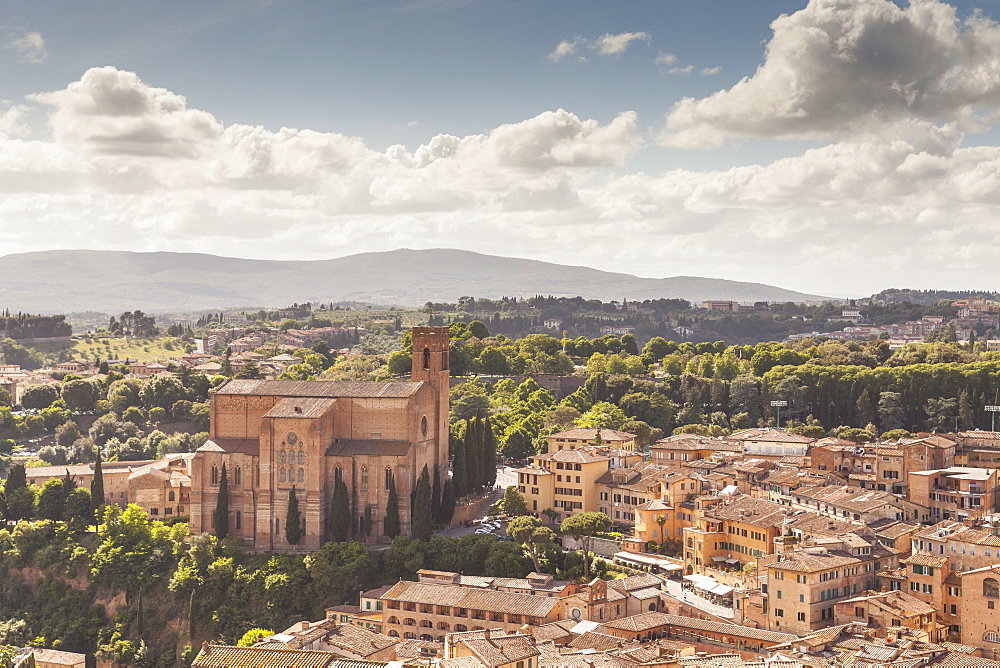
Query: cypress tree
(97, 486)
(222, 507)
(16, 478)
(368, 520)
(340, 513)
(423, 521)
(436, 494)
(489, 454)
(391, 528)
(447, 502)
(473, 460)
(293, 519)
(458, 467)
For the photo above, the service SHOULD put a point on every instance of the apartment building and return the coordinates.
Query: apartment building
(860, 505)
(978, 609)
(885, 610)
(585, 436)
(803, 585)
(566, 480)
(682, 448)
(956, 492)
(731, 533)
(771, 443)
(620, 491)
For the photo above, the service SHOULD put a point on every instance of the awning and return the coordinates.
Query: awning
(719, 559)
(721, 589)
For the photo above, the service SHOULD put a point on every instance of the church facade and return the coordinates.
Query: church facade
(273, 435)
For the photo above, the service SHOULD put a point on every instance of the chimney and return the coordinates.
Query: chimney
(206, 649)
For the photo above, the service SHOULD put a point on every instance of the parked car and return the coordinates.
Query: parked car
(484, 531)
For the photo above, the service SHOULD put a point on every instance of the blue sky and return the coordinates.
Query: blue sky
(629, 136)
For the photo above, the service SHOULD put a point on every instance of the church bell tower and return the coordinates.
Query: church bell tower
(430, 365)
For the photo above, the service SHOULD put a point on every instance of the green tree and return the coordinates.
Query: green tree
(78, 508)
(436, 494)
(97, 484)
(891, 414)
(52, 500)
(391, 525)
(423, 520)
(339, 569)
(489, 454)
(340, 512)
(512, 503)
(222, 506)
(447, 502)
(253, 636)
(583, 527)
(293, 519)
(529, 532)
(458, 464)
(80, 395)
(40, 396)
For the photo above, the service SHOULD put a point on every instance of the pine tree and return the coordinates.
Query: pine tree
(293, 519)
(423, 521)
(222, 507)
(391, 527)
(436, 494)
(966, 415)
(340, 513)
(447, 502)
(489, 455)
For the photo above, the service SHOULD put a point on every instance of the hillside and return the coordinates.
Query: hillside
(81, 280)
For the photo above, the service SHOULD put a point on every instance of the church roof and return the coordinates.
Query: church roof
(320, 388)
(368, 446)
(244, 446)
(300, 407)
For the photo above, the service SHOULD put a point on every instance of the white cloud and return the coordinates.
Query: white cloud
(132, 166)
(709, 71)
(605, 45)
(838, 68)
(682, 70)
(665, 59)
(30, 45)
(565, 48)
(614, 45)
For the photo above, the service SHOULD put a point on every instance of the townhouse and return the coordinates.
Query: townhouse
(731, 533)
(955, 492)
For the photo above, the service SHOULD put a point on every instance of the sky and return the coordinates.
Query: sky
(835, 147)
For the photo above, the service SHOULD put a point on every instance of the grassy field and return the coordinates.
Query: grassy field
(144, 350)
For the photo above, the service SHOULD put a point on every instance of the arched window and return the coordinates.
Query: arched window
(444, 361)
(991, 636)
(409, 621)
(426, 623)
(394, 620)
(461, 627)
(170, 495)
(364, 477)
(338, 474)
(281, 475)
(394, 633)
(277, 525)
(215, 474)
(409, 635)
(388, 477)
(423, 425)
(302, 458)
(302, 475)
(991, 588)
(427, 358)
(238, 476)
(282, 458)
(652, 607)
(444, 626)
(239, 520)
(427, 637)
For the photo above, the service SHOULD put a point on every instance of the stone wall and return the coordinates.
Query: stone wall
(602, 547)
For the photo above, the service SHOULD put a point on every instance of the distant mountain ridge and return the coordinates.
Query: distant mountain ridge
(89, 280)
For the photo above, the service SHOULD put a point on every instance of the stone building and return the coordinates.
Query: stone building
(274, 436)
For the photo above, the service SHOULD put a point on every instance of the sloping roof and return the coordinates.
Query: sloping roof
(750, 510)
(226, 656)
(590, 433)
(245, 446)
(300, 407)
(358, 640)
(578, 455)
(808, 561)
(495, 651)
(320, 388)
(770, 435)
(639, 623)
(728, 628)
(636, 582)
(466, 597)
(368, 446)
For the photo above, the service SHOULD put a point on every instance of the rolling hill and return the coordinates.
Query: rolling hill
(113, 281)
